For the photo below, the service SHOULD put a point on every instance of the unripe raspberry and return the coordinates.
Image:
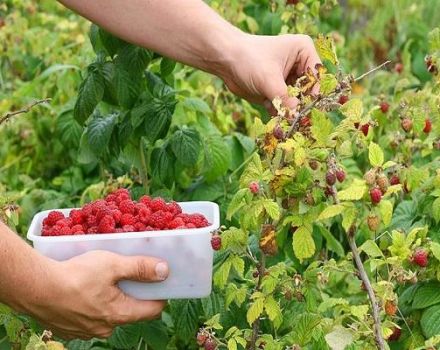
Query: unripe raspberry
(365, 128)
(278, 132)
(398, 67)
(373, 222)
(384, 107)
(308, 199)
(390, 308)
(201, 338)
(394, 180)
(343, 99)
(255, 274)
(395, 335)
(382, 182)
(370, 177)
(340, 175)
(420, 257)
(330, 178)
(292, 2)
(329, 191)
(254, 187)
(375, 195)
(406, 124)
(216, 242)
(428, 126)
(314, 165)
(210, 344)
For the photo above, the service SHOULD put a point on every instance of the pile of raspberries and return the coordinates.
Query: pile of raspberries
(119, 213)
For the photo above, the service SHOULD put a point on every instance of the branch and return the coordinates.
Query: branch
(9, 115)
(256, 324)
(372, 71)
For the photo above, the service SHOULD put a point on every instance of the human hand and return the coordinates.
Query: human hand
(262, 66)
(81, 298)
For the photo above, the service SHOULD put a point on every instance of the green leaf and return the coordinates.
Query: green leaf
(69, 129)
(255, 310)
(375, 155)
(371, 249)
(155, 334)
(237, 202)
(126, 87)
(232, 344)
(99, 131)
(328, 83)
(436, 210)
(435, 249)
(273, 310)
(326, 48)
(339, 338)
(212, 305)
(167, 66)
(133, 59)
(332, 243)
(349, 217)
(430, 321)
(272, 209)
(185, 314)
(386, 211)
(90, 94)
(303, 243)
(222, 274)
(162, 164)
(426, 295)
(186, 145)
(353, 192)
(125, 337)
(353, 109)
(217, 157)
(196, 104)
(321, 127)
(331, 211)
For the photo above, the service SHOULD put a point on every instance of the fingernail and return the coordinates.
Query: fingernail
(161, 271)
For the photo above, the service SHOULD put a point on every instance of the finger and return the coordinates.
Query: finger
(133, 310)
(139, 268)
(277, 87)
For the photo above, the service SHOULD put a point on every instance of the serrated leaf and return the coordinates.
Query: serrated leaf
(273, 309)
(332, 243)
(99, 131)
(436, 209)
(232, 344)
(237, 202)
(212, 305)
(430, 321)
(326, 48)
(217, 157)
(167, 66)
(222, 274)
(196, 104)
(134, 59)
(125, 87)
(186, 145)
(321, 127)
(426, 295)
(328, 83)
(272, 209)
(255, 310)
(303, 243)
(69, 129)
(371, 249)
(162, 164)
(331, 211)
(389, 164)
(90, 94)
(386, 211)
(339, 338)
(125, 337)
(353, 192)
(359, 311)
(349, 217)
(155, 334)
(435, 249)
(353, 109)
(375, 155)
(185, 314)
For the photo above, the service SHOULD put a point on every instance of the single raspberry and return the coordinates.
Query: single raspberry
(343, 99)
(91, 221)
(254, 187)
(122, 192)
(210, 344)
(160, 219)
(216, 242)
(305, 121)
(158, 204)
(255, 274)
(98, 205)
(365, 128)
(313, 164)
(127, 207)
(144, 214)
(119, 230)
(395, 335)
(420, 257)
(92, 229)
(198, 220)
(176, 223)
(111, 198)
(406, 124)
(64, 222)
(190, 225)
(53, 217)
(87, 210)
(308, 199)
(103, 212)
(174, 208)
(394, 180)
(390, 308)
(201, 338)
(340, 175)
(428, 126)
(64, 231)
(145, 200)
(329, 192)
(185, 217)
(373, 222)
(330, 178)
(76, 216)
(383, 183)
(116, 213)
(375, 195)
(47, 231)
(128, 228)
(107, 224)
(384, 107)
(139, 226)
(370, 177)
(77, 228)
(127, 219)
(398, 67)
(278, 132)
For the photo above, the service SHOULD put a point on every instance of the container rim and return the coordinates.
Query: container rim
(34, 231)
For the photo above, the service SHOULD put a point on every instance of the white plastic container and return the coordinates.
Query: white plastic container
(188, 252)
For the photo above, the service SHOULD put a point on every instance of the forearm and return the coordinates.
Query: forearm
(23, 272)
(188, 31)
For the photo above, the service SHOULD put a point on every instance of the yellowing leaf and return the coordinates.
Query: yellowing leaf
(232, 344)
(348, 218)
(359, 311)
(255, 310)
(303, 243)
(272, 209)
(354, 192)
(375, 154)
(393, 189)
(386, 211)
(331, 211)
(435, 249)
(273, 310)
(371, 249)
(328, 83)
(299, 156)
(353, 109)
(326, 49)
(321, 127)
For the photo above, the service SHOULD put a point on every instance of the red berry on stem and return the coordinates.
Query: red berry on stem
(254, 187)
(343, 99)
(398, 67)
(375, 195)
(384, 107)
(278, 132)
(305, 121)
(216, 242)
(394, 180)
(210, 344)
(428, 126)
(201, 338)
(365, 128)
(340, 175)
(395, 335)
(406, 124)
(330, 178)
(420, 257)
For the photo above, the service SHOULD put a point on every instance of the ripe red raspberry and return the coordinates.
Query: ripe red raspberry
(210, 344)
(139, 226)
(64, 230)
(406, 124)
(395, 335)
(149, 228)
(64, 222)
(119, 230)
(365, 128)
(87, 210)
(107, 224)
(278, 132)
(102, 212)
(77, 228)
(394, 180)
(198, 220)
(98, 205)
(122, 192)
(117, 215)
(254, 187)
(53, 217)
(128, 228)
(216, 242)
(127, 219)
(111, 198)
(398, 67)
(343, 99)
(127, 207)
(158, 204)
(174, 208)
(340, 175)
(91, 221)
(329, 191)
(92, 229)
(201, 338)
(420, 257)
(145, 200)
(76, 216)
(160, 219)
(144, 214)
(375, 195)
(330, 178)
(305, 121)
(47, 231)
(190, 225)
(428, 126)
(384, 107)
(176, 223)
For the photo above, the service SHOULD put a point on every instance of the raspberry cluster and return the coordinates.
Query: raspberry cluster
(118, 213)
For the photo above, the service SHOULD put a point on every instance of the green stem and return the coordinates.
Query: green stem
(144, 169)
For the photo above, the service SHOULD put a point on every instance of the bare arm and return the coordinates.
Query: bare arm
(253, 67)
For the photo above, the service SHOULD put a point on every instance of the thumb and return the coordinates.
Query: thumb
(277, 87)
(140, 268)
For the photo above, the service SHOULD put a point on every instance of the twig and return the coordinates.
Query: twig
(372, 71)
(9, 115)
(256, 324)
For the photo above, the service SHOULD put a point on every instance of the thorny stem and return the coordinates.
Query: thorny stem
(9, 115)
(256, 324)
(372, 71)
